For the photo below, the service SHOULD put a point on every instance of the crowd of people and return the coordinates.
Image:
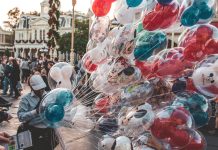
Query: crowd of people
(15, 71)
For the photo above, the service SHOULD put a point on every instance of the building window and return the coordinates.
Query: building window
(30, 38)
(43, 34)
(40, 34)
(35, 34)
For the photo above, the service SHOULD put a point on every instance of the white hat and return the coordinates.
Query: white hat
(37, 83)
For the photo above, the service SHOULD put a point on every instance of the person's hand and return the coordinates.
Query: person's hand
(2, 148)
(4, 137)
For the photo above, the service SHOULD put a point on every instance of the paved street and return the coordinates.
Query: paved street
(74, 139)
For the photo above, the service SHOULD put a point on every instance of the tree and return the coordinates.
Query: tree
(81, 38)
(64, 43)
(54, 15)
(81, 35)
(13, 18)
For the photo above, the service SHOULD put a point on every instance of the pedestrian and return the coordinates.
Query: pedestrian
(7, 77)
(25, 70)
(45, 79)
(2, 69)
(43, 138)
(15, 77)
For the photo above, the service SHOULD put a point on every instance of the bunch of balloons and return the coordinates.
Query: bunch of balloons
(141, 92)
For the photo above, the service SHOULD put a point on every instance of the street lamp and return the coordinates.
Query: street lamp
(72, 35)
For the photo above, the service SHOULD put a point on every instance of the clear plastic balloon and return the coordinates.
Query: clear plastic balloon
(53, 106)
(107, 124)
(123, 143)
(99, 29)
(88, 64)
(147, 42)
(137, 93)
(101, 104)
(196, 104)
(81, 118)
(61, 75)
(119, 143)
(146, 142)
(162, 95)
(200, 12)
(136, 120)
(123, 43)
(106, 143)
(123, 73)
(199, 41)
(205, 76)
(125, 15)
(170, 126)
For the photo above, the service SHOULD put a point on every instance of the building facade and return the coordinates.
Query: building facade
(6, 41)
(31, 32)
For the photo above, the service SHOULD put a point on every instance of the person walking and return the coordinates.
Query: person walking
(25, 70)
(15, 77)
(43, 138)
(7, 77)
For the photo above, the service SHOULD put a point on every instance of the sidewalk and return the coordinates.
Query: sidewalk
(75, 138)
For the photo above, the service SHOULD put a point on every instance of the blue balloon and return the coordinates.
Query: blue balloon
(147, 42)
(201, 118)
(64, 97)
(196, 104)
(54, 113)
(205, 11)
(164, 2)
(133, 3)
(190, 16)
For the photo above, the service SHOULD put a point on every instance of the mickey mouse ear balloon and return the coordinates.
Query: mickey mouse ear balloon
(200, 12)
(53, 106)
(205, 76)
(61, 76)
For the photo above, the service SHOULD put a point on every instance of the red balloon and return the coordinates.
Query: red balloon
(152, 21)
(101, 7)
(211, 47)
(179, 138)
(89, 66)
(170, 67)
(179, 116)
(146, 68)
(203, 34)
(161, 128)
(194, 52)
(102, 105)
(161, 17)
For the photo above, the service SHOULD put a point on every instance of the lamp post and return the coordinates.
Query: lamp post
(72, 35)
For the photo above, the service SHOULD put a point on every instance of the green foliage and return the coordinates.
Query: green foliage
(7, 53)
(13, 18)
(64, 42)
(80, 38)
(81, 35)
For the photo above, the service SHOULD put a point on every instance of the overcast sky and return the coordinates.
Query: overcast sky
(31, 5)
